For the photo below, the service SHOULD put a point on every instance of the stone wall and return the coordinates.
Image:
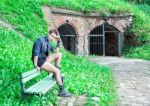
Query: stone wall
(83, 24)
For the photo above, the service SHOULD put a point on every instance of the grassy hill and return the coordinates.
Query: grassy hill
(27, 15)
(26, 18)
(140, 12)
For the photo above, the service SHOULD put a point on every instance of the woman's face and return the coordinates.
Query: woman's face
(52, 37)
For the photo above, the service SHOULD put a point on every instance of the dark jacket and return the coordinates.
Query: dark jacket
(41, 48)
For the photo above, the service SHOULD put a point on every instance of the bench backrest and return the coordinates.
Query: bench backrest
(26, 76)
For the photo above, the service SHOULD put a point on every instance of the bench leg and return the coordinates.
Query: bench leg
(23, 96)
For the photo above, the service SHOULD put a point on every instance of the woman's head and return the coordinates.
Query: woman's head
(53, 35)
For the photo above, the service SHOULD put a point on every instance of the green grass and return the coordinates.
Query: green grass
(141, 52)
(26, 15)
(140, 12)
(144, 8)
(82, 76)
(141, 19)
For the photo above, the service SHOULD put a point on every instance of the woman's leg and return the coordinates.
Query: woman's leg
(51, 68)
(55, 57)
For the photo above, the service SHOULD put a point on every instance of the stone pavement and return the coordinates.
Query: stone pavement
(132, 77)
(78, 101)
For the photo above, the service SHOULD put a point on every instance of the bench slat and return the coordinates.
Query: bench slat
(24, 80)
(42, 87)
(49, 87)
(28, 73)
(46, 84)
(35, 86)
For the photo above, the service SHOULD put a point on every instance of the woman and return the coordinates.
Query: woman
(42, 60)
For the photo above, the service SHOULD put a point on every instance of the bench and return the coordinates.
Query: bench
(39, 88)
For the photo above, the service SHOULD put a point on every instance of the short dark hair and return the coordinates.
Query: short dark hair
(53, 31)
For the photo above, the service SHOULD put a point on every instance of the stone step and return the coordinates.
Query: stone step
(78, 101)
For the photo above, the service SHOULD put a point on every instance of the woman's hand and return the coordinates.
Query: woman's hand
(37, 68)
(56, 50)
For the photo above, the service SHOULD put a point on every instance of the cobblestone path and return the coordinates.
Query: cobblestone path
(132, 77)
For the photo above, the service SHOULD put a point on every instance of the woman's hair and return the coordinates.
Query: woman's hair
(53, 31)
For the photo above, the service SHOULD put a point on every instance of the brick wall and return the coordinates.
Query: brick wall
(83, 24)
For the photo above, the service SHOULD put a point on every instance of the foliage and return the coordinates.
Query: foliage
(82, 76)
(25, 16)
(140, 1)
(141, 19)
(142, 52)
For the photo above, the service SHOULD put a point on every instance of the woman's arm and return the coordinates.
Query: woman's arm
(35, 60)
(36, 51)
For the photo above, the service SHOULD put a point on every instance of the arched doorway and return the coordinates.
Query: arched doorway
(105, 40)
(68, 37)
(96, 41)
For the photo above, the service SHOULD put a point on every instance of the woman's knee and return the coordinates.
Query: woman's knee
(57, 71)
(59, 54)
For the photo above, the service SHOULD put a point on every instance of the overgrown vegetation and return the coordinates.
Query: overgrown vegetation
(25, 15)
(83, 77)
(140, 12)
(142, 52)
(140, 1)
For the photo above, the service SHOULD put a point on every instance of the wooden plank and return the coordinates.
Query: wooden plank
(42, 86)
(28, 73)
(24, 80)
(35, 86)
(49, 87)
(44, 90)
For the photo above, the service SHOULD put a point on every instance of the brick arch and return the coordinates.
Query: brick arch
(93, 28)
(71, 24)
(120, 29)
(83, 24)
(109, 23)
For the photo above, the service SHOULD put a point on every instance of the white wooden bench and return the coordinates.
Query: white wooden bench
(39, 88)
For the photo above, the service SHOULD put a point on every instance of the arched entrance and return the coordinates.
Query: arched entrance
(68, 37)
(105, 40)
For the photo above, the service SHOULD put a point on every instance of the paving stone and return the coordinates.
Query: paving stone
(132, 77)
(77, 101)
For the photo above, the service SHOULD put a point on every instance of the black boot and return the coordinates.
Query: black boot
(63, 92)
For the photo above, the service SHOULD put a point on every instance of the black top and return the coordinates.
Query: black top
(42, 47)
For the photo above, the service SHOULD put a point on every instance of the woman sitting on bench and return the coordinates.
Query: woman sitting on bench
(42, 60)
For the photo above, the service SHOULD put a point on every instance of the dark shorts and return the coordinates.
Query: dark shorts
(40, 62)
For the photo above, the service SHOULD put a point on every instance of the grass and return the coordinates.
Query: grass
(83, 77)
(27, 17)
(141, 19)
(141, 52)
(140, 12)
